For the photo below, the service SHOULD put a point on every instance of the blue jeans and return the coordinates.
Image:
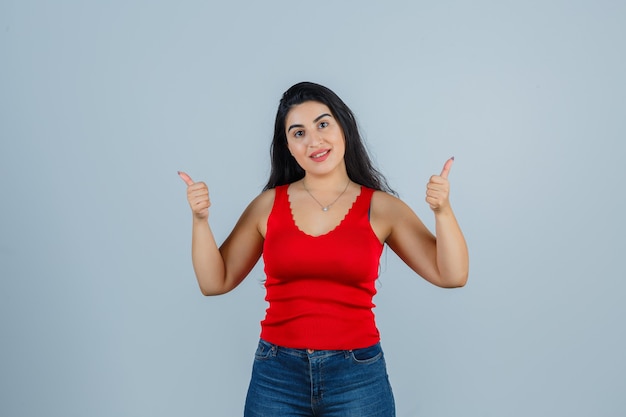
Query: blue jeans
(322, 383)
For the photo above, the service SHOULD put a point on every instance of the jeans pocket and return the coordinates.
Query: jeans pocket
(367, 355)
(264, 350)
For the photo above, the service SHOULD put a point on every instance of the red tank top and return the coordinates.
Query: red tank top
(320, 289)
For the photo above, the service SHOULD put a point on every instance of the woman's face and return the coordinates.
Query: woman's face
(315, 138)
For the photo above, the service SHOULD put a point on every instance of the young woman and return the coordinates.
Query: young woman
(320, 225)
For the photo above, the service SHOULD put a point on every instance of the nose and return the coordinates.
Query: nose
(315, 140)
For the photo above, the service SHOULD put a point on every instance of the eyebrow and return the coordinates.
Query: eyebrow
(314, 121)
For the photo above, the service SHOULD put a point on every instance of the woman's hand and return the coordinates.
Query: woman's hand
(197, 196)
(438, 189)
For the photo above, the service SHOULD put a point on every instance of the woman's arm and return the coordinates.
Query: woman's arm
(220, 269)
(452, 255)
(442, 259)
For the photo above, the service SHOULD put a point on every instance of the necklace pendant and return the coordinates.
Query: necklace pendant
(325, 208)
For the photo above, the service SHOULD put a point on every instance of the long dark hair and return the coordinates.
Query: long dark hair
(285, 169)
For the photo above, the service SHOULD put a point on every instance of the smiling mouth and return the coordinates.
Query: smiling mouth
(320, 154)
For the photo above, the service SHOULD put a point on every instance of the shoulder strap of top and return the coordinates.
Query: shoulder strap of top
(363, 202)
(281, 201)
(280, 196)
(278, 208)
(365, 198)
(281, 190)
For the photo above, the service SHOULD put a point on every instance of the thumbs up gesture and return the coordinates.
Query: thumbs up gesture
(197, 196)
(438, 189)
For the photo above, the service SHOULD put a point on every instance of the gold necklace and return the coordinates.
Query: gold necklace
(325, 208)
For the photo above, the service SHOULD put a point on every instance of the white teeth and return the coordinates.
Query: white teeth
(318, 155)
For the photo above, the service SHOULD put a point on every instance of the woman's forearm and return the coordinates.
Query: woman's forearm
(207, 260)
(452, 254)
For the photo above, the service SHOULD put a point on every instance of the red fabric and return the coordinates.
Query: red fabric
(320, 289)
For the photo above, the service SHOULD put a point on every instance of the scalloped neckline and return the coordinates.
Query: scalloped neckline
(337, 226)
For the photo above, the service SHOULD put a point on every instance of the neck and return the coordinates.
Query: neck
(332, 181)
(326, 205)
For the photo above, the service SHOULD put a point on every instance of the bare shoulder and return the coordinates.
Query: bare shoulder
(264, 200)
(259, 209)
(385, 204)
(261, 205)
(385, 211)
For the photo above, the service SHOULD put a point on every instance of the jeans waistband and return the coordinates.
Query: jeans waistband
(308, 353)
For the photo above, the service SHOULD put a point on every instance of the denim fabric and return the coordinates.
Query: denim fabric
(323, 383)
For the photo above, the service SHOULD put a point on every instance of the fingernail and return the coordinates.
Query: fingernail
(452, 158)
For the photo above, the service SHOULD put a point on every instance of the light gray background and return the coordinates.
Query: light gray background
(102, 102)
